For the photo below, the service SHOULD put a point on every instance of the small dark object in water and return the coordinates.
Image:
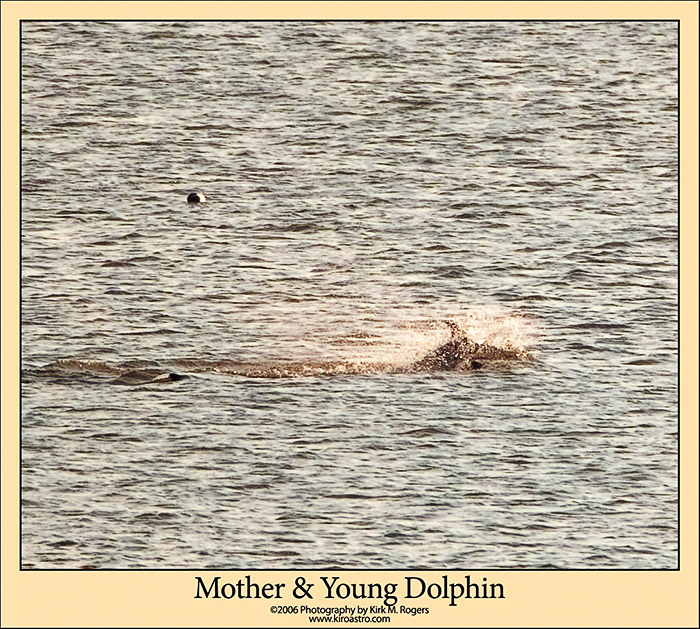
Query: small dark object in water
(196, 197)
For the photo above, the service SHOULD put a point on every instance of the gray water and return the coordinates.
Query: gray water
(365, 182)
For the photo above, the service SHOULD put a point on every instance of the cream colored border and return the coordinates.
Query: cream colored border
(534, 599)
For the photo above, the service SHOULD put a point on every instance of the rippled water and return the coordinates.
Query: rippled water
(365, 182)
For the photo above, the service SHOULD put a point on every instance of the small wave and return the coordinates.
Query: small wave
(427, 432)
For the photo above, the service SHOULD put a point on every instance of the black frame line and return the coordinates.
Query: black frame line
(353, 569)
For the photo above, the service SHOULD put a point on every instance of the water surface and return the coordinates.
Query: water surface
(365, 181)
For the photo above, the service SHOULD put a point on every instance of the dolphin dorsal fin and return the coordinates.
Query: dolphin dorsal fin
(457, 332)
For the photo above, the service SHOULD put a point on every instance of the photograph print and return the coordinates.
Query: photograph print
(349, 294)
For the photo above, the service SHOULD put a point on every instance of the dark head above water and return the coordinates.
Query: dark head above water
(196, 197)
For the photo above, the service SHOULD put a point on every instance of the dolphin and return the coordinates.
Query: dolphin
(461, 353)
(458, 352)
